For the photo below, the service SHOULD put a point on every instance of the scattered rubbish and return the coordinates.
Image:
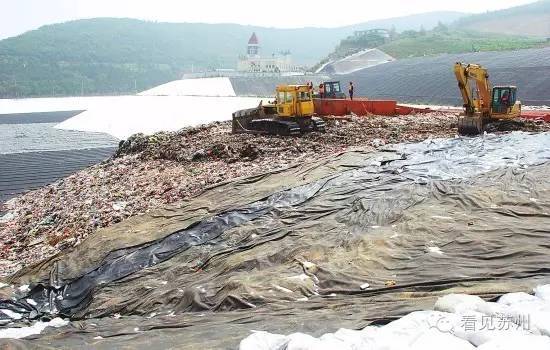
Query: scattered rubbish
(435, 250)
(320, 212)
(118, 206)
(364, 286)
(309, 267)
(36, 328)
(7, 217)
(283, 289)
(152, 171)
(11, 314)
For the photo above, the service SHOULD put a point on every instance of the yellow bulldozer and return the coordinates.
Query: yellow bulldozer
(290, 114)
(483, 104)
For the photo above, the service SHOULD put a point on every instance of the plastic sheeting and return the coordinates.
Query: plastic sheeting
(354, 239)
(124, 116)
(357, 61)
(193, 87)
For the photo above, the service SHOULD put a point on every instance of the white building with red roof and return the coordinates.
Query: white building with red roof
(253, 62)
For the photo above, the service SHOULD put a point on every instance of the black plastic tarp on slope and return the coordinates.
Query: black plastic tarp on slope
(431, 79)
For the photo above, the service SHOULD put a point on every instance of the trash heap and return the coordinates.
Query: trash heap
(458, 322)
(148, 172)
(359, 238)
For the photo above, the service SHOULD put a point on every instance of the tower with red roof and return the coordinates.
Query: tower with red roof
(253, 47)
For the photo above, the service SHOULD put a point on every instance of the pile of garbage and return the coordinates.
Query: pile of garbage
(459, 322)
(149, 172)
(214, 141)
(356, 239)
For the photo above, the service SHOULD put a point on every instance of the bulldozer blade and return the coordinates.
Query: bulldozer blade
(242, 119)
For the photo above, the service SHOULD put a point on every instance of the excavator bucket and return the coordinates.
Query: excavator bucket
(470, 125)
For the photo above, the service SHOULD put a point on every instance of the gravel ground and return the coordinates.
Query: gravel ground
(149, 172)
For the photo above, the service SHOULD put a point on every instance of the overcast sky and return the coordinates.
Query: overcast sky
(18, 16)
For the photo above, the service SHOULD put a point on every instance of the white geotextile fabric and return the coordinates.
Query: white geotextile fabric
(193, 87)
(52, 104)
(127, 115)
(458, 322)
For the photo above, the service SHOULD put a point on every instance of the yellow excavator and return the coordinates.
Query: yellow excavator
(290, 114)
(483, 104)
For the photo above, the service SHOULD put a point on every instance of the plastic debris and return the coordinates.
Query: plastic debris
(36, 328)
(364, 286)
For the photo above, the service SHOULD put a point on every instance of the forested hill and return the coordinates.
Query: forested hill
(110, 56)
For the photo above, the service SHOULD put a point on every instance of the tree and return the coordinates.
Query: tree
(441, 28)
(393, 33)
(422, 31)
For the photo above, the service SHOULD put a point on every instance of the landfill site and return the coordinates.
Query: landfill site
(285, 215)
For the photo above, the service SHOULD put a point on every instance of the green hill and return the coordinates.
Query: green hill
(110, 56)
(520, 27)
(441, 39)
(414, 44)
(529, 20)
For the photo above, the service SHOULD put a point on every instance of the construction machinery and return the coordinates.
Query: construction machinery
(290, 114)
(483, 104)
(332, 89)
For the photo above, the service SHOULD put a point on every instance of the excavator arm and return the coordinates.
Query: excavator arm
(474, 72)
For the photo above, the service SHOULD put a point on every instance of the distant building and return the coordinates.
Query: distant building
(384, 33)
(254, 63)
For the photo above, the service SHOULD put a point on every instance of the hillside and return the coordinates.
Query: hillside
(415, 44)
(520, 27)
(106, 56)
(430, 80)
(441, 39)
(531, 19)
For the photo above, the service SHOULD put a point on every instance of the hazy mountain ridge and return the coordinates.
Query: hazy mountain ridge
(108, 55)
(531, 19)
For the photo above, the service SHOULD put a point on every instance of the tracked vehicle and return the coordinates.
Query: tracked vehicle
(292, 113)
(483, 104)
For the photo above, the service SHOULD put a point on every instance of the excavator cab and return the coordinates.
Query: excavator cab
(332, 89)
(503, 99)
